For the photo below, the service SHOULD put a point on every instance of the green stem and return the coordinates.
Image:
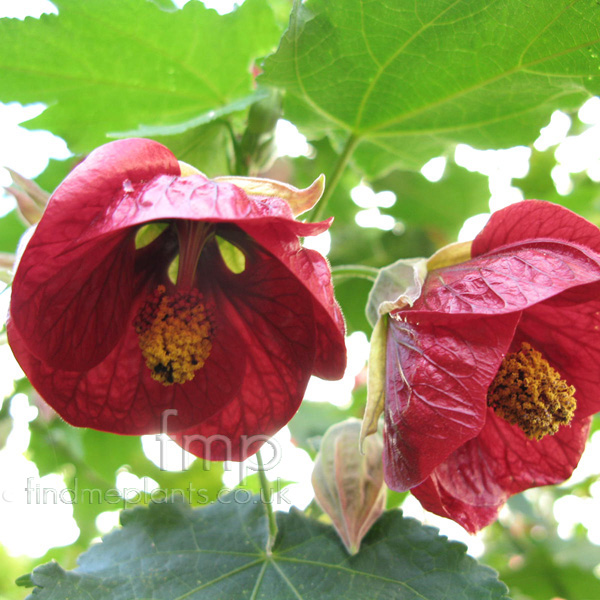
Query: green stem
(267, 495)
(340, 167)
(239, 168)
(343, 272)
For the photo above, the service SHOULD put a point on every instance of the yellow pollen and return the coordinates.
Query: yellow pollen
(529, 393)
(174, 334)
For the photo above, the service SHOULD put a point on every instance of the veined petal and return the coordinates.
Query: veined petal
(439, 369)
(512, 279)
(119, 395)
(535, 219)
(72, 291)
(272, 316)
(313, 271)
(477, 479)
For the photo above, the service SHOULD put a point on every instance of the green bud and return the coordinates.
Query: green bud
(349, 485)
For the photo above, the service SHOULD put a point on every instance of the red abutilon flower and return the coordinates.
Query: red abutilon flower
(490, 372)
(151, 296)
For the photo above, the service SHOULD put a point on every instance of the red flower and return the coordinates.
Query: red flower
(111, 342)
(479, 403)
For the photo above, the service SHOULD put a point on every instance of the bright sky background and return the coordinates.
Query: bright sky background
(31, 529)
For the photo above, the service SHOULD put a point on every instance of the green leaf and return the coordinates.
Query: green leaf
(119, 65)
(90, 460)
(411, 79)
(11, 230)
(584, 199)
(208, 148)
(541, 576)
(440, 207)
(170, 551)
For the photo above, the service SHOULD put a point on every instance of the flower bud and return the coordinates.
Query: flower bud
(349, 485)
(31, 198)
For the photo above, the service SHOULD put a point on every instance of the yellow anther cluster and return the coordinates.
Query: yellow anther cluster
(174, 333)
(529, 393)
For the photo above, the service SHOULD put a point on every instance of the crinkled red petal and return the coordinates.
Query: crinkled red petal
(531, 220)
(513, 279)
(439, 369)
(472, 484)
(272, 315)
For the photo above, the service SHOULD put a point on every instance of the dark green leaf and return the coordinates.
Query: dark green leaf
(170, 551)
(412, 79)
(117, 65)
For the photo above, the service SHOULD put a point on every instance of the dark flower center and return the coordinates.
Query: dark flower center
(529, 393)
(174, 334)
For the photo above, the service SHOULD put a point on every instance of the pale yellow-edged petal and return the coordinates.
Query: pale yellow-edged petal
(300, 201)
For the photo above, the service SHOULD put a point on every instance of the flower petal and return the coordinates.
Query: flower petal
(273, 319)
(119, 395)
(439, 369)
(511, 280)
(477, 479)
(312, 269)
(535, 219)
(299, 201)
(72, 294)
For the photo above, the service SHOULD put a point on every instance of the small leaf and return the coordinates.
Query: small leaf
(25, 581)
(171, 551)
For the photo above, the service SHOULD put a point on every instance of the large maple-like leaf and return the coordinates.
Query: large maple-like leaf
(118, 65)
(409, 79)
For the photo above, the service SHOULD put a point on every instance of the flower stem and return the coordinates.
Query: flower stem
(267, 497)
(340, 167)
(343, 272)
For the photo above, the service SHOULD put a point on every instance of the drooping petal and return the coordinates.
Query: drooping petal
(511, 280)
(568, 335)
(72, 291)
(535, 219)
(272, 316)
(314, 272)
(119, 395)
(476, 480)
(439, 369)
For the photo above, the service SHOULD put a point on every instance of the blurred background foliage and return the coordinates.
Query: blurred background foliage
(546, 543)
